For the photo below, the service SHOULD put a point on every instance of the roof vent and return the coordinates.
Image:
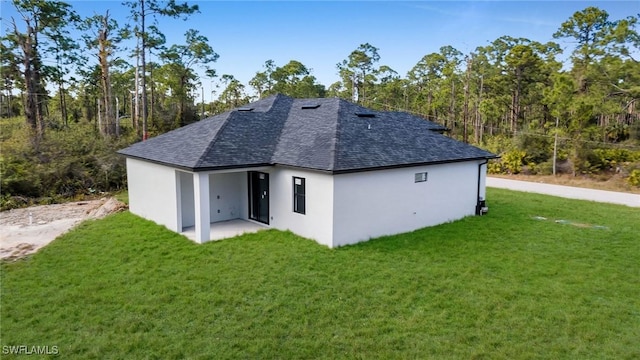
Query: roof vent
(365, 115)
(310, 106)
(245, 109)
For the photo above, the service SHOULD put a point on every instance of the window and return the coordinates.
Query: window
(420, 177)
(298, 195)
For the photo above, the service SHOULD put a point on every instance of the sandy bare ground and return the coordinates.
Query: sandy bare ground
(24, 231)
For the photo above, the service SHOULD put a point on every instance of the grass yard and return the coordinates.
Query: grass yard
(503, 286)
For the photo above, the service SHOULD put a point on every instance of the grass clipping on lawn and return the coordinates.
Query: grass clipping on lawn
(500, 286)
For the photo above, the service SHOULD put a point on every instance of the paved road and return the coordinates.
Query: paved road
(566, 191)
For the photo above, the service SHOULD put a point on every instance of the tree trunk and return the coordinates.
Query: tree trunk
(63, 104)
(452, 107)
(144, 73)
(465, 111)
(136, 107)
(40, 90)
(32, 106)
(477, 131)
(152, 102)
(108, 122)
(430, 111)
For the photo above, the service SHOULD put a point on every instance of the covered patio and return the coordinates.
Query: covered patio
(214, 205)
(226, 229)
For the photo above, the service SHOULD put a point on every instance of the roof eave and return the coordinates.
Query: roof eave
(197, 168)
(398, 166)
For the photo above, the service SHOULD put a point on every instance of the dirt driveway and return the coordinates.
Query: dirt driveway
(24, 231)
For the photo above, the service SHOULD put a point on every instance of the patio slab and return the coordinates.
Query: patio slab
(226, 229)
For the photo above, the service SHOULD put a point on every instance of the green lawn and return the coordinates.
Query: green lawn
(503, 286)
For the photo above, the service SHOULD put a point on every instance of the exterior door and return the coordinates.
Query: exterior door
(259, 196)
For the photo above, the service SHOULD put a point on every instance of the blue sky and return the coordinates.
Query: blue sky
(322, 33)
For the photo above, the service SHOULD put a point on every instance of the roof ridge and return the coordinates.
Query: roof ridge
(272, 158)
(334, 146)
(212, 142)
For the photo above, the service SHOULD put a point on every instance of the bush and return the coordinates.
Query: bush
(513, 160)
(612, 159)
(538, 148)
(68, 162)
(510, 163)
(544, 168)
(634, 178)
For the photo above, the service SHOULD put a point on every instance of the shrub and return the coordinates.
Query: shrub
(494, 166)
(611, 159)
(512, 161)
(538, 148)
(544, 168)
(68, 162)
(634, 178)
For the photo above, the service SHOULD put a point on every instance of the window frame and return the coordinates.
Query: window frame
(299, 198)
(421, 177)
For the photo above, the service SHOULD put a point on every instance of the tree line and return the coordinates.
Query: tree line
(513, 96)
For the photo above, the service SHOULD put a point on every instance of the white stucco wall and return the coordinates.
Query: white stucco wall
(226, 192)
(317, 222)
(152, 190)
(340, 209)
(385, 202)
(483, 180)
(187, 210)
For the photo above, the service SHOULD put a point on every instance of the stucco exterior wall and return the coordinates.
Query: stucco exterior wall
(187, 210)
(385, 202)
(152, 192)
(225, 191)
(340, 209)
(483, 180)
(317, 222)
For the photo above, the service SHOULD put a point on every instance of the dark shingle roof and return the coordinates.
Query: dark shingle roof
(327, 134)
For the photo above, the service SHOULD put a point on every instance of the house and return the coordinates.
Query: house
(326, 169)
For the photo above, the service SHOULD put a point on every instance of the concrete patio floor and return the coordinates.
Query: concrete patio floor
(226, 229)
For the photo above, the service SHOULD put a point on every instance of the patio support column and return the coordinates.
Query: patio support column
(201, 198)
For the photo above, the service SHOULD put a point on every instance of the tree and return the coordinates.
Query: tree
(10, 73)
(263, 81)
(44, 22)
(67, 55)
(105, 37)
(589, 27)
(426, 78)
(389, 90)
(183, 58)
(232, 96)
(624, 38)
(451, 62)
(295, 80)
(604, 69)
(140, 9)
(357, 71)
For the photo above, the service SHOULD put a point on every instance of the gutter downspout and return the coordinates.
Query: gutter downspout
(478, 205)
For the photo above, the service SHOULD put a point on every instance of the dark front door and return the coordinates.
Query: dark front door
(259, 196)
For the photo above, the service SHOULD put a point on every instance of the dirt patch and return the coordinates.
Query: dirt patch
(24, 231)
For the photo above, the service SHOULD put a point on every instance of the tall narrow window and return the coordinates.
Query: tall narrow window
(299, 205)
